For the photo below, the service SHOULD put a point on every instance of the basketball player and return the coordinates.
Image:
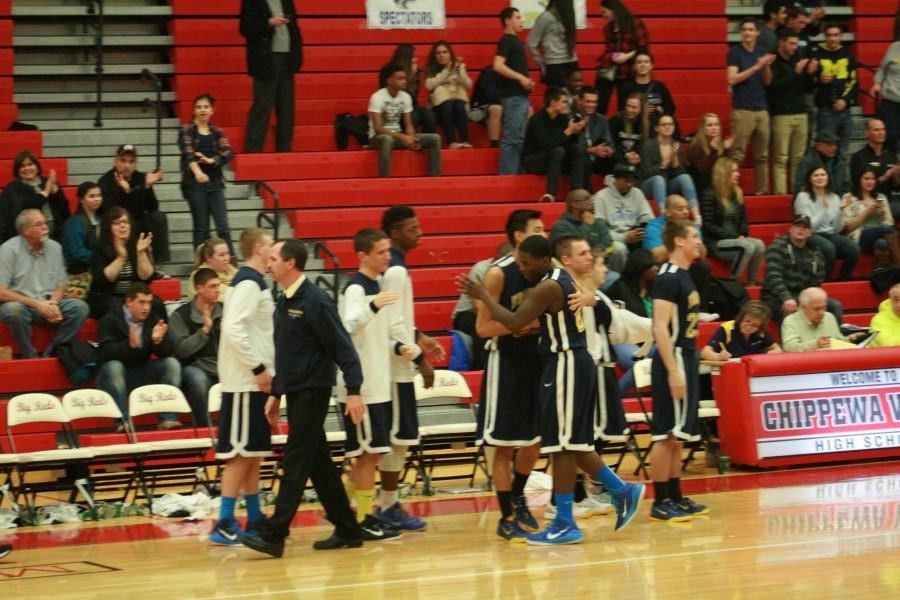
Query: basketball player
(246, 361)
(402, 227)
(568, 401)
(674, 375)
(508, 412)
(366, 322)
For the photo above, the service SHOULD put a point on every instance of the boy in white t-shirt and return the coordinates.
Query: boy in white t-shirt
(391, 126)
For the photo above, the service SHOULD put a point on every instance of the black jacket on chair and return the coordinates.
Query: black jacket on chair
(255, 28)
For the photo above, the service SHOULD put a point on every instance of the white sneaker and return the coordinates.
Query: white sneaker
(596, 507)
(579, 511)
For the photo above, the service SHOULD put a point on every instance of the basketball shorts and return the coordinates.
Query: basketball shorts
(670, 417)
(611, 423)
(568, 402)
(243, 428)
(371, 435)
(405, 418)
(508, 411)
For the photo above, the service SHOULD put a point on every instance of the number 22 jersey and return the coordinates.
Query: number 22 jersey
(674, 284)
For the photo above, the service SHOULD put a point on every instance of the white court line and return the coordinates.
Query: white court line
(434, 578)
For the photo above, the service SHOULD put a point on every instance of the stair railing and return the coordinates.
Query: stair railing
(268, 218)
(148, 75)
(95, 22)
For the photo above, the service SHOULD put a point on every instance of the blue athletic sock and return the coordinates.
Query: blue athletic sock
(253, 512)
(226, 509)
(610, 480)
(564, 506)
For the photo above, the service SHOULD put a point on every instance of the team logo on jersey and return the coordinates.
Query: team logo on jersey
(295, 313)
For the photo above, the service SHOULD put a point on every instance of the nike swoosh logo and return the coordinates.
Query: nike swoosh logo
(547, 384)
(228, 536)
(375, 533)
(553, 536)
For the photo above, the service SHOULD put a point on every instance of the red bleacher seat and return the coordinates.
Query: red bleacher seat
(873, 29)
(436, 282)
(13, 142)
(874, 7)
(41, 335)
(31, 375)
(433, 251)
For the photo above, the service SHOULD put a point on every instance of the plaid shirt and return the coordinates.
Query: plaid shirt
(187, 141)
(623, 42)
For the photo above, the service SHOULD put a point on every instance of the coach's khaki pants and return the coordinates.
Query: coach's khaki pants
(789, 133)
(752, 126)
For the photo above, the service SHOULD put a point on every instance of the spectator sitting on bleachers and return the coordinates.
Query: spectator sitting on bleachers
(837, 86)
(630, 129)
(812, 327)
(875, 152)
(708, 146)
(126, 187)
(464, 313)
(551, 144)
(887, 321)
(405, 56)
(792, 78)
(80, 235)
(580, 220)
(625, 208)
(661, 171)
(748, 334)
(572, 90)
(511, 64)
(120, 258)
(774, 14)
(749, 72)
(824, 152)
(448, 86)
(391, 125)
(725, 223)
(195, 328)
(33, 285)
(658, 98)
(792, 265)
(623, 35)
(486, 105)
(868, 219)
(554, 34)
(823, 206)
(214, 254)
(653, 233)
(128, 335)
(30, 189)
(595, 140)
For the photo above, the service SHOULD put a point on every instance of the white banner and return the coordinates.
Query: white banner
(531, 10)
(785, 384)
(405, 14)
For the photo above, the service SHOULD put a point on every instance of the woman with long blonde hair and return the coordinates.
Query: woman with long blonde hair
(725, 224)
(708, 146)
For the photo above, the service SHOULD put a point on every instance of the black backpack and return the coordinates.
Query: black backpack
(724, 296)
(78, 360)
(346, 125)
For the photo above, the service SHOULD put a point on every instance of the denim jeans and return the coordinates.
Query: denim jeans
(118, 380)
(209, 199)
(19, 318)
(515, 115)
(834, 246)
(385, 144)
(838, 123)
(196, 383)
(659, 188)
(454, 120)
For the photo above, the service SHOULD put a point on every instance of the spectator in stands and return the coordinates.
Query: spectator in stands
(487, 104)
(274, 54)
(624, 35)
(511, 64)
(214, 254)
(630, 128)
(552, 145)
(552, 42)
(823, 206)
(126, 187)
(656, 94)
(405, 56)
(448, 86)
(625, 208)
(572, 90)
(876, 154)
(749, 72)
(824, 152)
(792, 265)
(791, 79)
(868, 220)
(812, 327)
(391, 126)
(30, 189)
(33, 286)
(774, 17)
(708, 146)
(464, 313)
(798, 21)
(661, 170)
(653, 233)
(725, 224)
(752, 335)
(120, 258)
(80, 235)
(887, 321)
(887, 87)
(837, 86)
(128, 336)
(595, 139)
(195, 328)
(580, 220)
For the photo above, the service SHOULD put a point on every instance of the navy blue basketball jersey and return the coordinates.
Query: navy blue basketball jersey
(511, 297)
(397, 258)
(370, 286)
(562, 330)
(675, 285)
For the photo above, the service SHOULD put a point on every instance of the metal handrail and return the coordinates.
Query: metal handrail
(95, 8)
(335, 271)
(263, 217)
(148, 75)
